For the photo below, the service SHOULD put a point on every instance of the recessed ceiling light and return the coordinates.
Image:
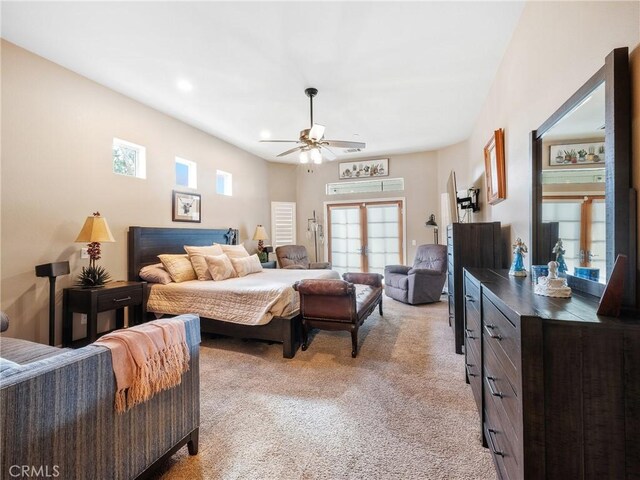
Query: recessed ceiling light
(265, 134)
(184, 85)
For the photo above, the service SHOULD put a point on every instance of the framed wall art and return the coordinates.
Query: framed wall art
(364, 169)
(185, 207)
(494, 168)
(576, 154)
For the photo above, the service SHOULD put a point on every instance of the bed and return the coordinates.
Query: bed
(260, 306)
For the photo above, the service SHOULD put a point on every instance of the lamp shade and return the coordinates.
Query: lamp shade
(261, 233)
(95, 229)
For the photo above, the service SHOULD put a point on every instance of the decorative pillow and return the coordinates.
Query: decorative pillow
(4, 321)
(179, 267)
(247, 265)
(196, 255)
(155, 274)
(235, 251)
(220, 267)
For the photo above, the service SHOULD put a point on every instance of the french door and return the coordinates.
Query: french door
(365, 236)
(582, 229)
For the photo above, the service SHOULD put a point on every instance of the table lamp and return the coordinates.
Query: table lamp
(261, 235)
(94, 231)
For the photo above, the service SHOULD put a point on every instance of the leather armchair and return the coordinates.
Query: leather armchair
(421, 283)
(296, 257)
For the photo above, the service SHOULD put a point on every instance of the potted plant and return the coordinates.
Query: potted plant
(591, 154)
(582, 154)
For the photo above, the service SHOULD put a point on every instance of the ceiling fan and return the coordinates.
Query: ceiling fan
(312, 144)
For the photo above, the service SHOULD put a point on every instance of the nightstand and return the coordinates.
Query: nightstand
(91, 301)
(271, 264)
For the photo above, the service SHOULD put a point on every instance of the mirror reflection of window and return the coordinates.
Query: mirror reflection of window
(573, 186)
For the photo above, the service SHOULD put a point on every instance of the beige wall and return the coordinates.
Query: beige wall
(57, 133)
(282, 182)
(420, 174)
(544, 64)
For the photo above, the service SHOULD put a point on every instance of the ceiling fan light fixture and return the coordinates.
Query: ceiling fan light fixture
(304, 156)
(316, 156)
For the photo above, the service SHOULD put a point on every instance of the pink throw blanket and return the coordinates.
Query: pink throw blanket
(146, 359)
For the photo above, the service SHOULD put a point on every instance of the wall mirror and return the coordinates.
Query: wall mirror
(581, 192)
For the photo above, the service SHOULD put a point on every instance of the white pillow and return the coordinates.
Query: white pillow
(178, 266)
(247, 265)
(155, 274)
(220, 267)
(196, 255)
(235, 251)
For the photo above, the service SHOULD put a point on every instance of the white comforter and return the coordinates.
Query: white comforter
(251, 300)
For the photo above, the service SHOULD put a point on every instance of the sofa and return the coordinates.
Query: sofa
(422, 282)
(296, 257)
(339, 304)
(58, 419)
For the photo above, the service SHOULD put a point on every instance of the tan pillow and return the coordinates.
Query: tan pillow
(235, 251)
(220, 267)
(179, 267)
(247, 265)
(155, 274)
(196, 255)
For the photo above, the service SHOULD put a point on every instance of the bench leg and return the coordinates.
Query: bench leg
(380, 306)
(354, 341)
(305, 335)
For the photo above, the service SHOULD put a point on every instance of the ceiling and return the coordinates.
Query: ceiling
(585, 121)
(402, 77)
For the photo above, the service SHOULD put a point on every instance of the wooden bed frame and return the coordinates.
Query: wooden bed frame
(146, 243)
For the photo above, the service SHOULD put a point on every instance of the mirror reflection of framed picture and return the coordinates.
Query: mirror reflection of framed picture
(185, 207)
(494, 168)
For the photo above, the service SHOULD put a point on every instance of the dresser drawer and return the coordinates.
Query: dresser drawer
(122, 297)
(473, 367)
(472, 331)
(502, 448)
(504, 393)
(501, 335)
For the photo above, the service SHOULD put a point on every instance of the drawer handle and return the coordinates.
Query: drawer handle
(468, 366)
(469, 298)
(491, 383)
(468, 332)
(491, 442)
(116, 300)
(489, 328)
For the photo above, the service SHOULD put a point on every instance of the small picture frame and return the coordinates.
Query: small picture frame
(186, 207)
(494, 168)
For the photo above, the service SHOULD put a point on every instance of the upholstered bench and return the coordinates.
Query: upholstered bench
(339, 304)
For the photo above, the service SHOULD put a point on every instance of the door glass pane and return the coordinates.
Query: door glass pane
(567, 213)
(345, 239)
(597, 253)
(383, 237)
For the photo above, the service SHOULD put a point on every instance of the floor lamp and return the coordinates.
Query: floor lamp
(314, 228)
(432, 223)
(52, 270)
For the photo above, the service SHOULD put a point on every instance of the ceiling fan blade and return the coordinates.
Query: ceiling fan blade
(343, 144)
(328, 153)
(290, 151)
(316, 132)
(279, 141)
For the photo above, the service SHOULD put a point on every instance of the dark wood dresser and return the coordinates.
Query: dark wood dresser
(468, 245)
(557, 386)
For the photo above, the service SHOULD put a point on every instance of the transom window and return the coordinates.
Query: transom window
(224, 183)
(186, 173)
(129, 159)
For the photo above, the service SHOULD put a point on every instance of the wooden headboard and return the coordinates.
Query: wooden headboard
(146, 243)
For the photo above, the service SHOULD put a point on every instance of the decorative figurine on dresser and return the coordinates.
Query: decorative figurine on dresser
(552, 286)
(517, 267)
(560, 251)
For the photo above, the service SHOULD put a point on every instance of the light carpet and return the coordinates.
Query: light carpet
(400, 410)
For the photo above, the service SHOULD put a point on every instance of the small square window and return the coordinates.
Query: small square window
(186, 173)
(223, 182)
(129, 159)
